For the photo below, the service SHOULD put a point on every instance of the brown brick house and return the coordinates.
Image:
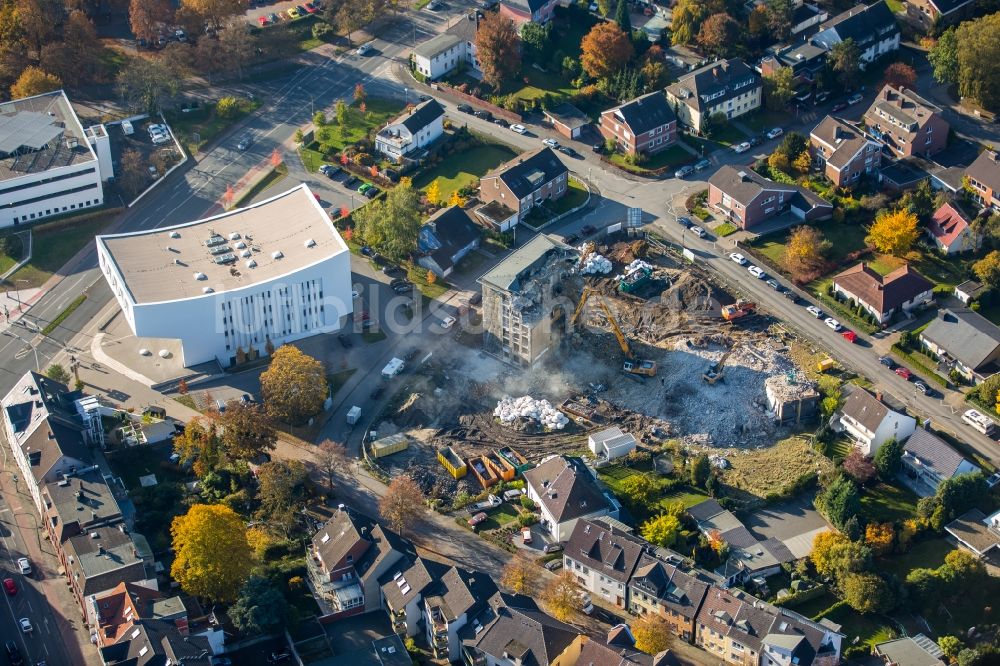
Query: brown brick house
(928, 14)
(746, 198)
(906, 123)
(984, 179)
(645, 125)
(845, 152)
(525, 181)
(660, 587)
(883, 295)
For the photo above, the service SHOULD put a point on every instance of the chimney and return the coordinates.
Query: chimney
(715, 72)
(878, 395)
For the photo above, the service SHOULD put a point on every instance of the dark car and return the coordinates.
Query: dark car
(367, 251)
(371, 192)
(839, 106)
(756, 140)
(477, 298)
(403, 288)
(588, 229)
(392, 270)
(351, 181)
(376, 393)
(13, 653)
(345, 341)
(887, 362)
(597, 147)
(410, 355)
(464, 108)
(395, 282)
(501, 122)
(685, 222)
(572, 239)
(566, 150)
(485, 115)
(246, 399)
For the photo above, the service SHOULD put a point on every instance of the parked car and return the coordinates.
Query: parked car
(392, 269)
(587, 229)
(394, 282)
(551, 143)
(24, 566)
(351, 181)
(773, 284)
(25, 625)
(525, 535)
(477, 519)
(993, 479)
(775, 133)
(500, 122)
(738, 258)
(756, 140)
(364, 49)
(821, 97)
(293, 13)
(854, 99)
(403, 289)
(485, 115)
(904, 373)
(263, 20)
(329, 170)
(701, 165)
(10, 586)
(448, 322)
(698, 231)
(815, 311)
(246, 399)
(684, 171)
(887, 362)
(922, 387)
(345, 341)
(685, 222)
(367, 251)
(364, 187)
(477, 298)
(552, 548)
(757, 272)
(742, 147)
(13, 653)
(464, 108)
(371, 192)
(554, 565)
(832, 323)
(839, 106)
(566, 150)
(520, 129)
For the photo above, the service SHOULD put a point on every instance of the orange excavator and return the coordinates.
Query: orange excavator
(738, 309)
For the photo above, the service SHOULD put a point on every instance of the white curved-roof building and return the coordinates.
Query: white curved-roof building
(275, 271)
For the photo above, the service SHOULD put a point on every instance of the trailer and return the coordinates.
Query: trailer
(353, 415)
(393, 368)
(386, 446)
(482, 472)
(519, 462)
(452, 462)
(500, 466)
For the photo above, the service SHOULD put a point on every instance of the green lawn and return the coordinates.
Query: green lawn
(332, 138)
(944, 272)
(885, 503)
(729, 135)
(56, 243)
(575, 195)
(866, 628)
(338, 379)
(925, 554)
(130, 464)
(539, 83)
(844, 238)
(840, 448)
(458, 171)
(418, 276)
(686, 495)
(672, 157)
(205, 123)
(766, 120)
(503, 514)
(725, 229)
(613, 476)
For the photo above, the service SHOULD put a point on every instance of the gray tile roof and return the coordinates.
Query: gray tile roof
(705, 510)
(864, 24)
(842, 138)
(911, 651)
(529, 171)
(422, 115)
(678, 591)
(403, 583)
(970, 528)
(612, 552)
(933, 452)
(645, 113)
(864, 408)
(513, 625)
(731, 78)
(567, 489)
(966, 335)
(986, 170)
(85, 499)
(507, 275)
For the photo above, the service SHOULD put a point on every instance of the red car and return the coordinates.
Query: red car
(10, 586)
(262, 20)
(904, 373)
(310, 8)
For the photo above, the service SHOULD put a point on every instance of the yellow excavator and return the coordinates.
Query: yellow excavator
(632, 365)
(717, 371)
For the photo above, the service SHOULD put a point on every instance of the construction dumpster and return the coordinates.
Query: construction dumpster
(482, 473)
(386, 446)
(452, 462)
(501, 466)
(519, 462)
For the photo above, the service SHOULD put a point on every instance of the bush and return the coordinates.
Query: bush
(527, 503)
(228, 107)
(323, 31)
(527, 519)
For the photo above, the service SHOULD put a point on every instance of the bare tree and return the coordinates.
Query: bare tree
(133, 171)
(238, 46)
(331, 458)
(403, 503)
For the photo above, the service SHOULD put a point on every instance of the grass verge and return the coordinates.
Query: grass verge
(198, 128)
(269, 179)
(187, 401)
(418, 276)
(916, 359)
(62, 316)
(725, 229)
(55, 243)
(337, 380)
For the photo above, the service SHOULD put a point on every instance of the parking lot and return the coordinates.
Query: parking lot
(156, 156)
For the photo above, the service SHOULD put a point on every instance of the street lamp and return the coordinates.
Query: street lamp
(17, 291)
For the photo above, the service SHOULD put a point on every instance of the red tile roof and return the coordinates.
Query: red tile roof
(947, 224)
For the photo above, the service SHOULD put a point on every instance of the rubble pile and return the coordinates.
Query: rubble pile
(510, 410)
(595, 264)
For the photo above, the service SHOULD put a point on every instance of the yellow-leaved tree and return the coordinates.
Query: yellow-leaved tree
(294, 386)
(433, 192)
(519, 576)
(456, 199)
(652, 633)
(893, 232)
(212, 557)
(561, 596)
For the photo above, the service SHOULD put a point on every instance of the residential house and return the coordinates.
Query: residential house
(417, 128)
(871, 424)
(937, 14)
(977, 532)
(844, 151)
(445, 239)
(969, 291)
(567, 120)
(450, 604)
(928, 460)
(347, 557)
(964, 340)
(611, 444)
(747, 199)
(524, 11)
(521, 309)
(45, 435)
(727, 87)
(402, 589)
(452, 49)
(906, 123)
(749, 557)
(883, 296)
(111, 614)
(658, 586)
(618, 649)
(511, 631)
(916, 650)
(983, 177)
(99, 560)
(643, 126)
(156, 644)
(78, 503)
(566, 491)
(742, 630)
(806, 16)
(951, 231)
(526, 181)
(382, 651)
(806, 60)
(873, 29)
(603, 557)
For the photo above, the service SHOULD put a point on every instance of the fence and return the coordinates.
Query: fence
(472, 99)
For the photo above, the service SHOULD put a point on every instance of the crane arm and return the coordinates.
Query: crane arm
(622, 342)
(579, 307)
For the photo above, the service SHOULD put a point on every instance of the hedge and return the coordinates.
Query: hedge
(913, 359)
(793, 600)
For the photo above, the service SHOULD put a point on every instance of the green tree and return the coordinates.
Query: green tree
(623, 18)
(920, 200)
(839, 500)
(979, 60)
(340, 112)
(146, 84)
(951, 646)
(779, 18)
(844, 60)
(260, 607)
(294, 385)
(686, 20)
(835, 556)
(961, 493)
(779, 88)
(211, 553)
(701, 468)
(662, 530)
(391, 224)
(58, 373)
(944, 57)
(969, 657)
(199, 445)
(987, 270)
(282, 491)
(247, 431)
(887, 459)
(924, 588)
(637, 490)
(867, 593)
(535, 41)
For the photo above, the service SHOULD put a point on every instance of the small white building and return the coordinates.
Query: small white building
(871, 424)
(565, 491)
(611, 444)
(415, 129)
(49, 164)
(450, 50)
(242, 282)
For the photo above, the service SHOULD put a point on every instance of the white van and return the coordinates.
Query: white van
(979, 421)
(127, 127)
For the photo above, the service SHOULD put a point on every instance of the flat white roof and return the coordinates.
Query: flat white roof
(40, 133)
(234, 250)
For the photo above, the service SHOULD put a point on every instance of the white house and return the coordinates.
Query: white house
(873, 29)
(415, 129)
(242, 282)
(611, 444)
(450, 50)
(871, 424)
(602, 557)
(49, 164)
(565, 490)
(928, 460)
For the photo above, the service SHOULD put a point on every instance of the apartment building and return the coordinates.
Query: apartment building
(642, 126)
(603, 556)
(873, 29)
(906, 123)
(727, 87)
(747, 199)
(983, 177)
(659, 586)
(844, 151)
(528, 180)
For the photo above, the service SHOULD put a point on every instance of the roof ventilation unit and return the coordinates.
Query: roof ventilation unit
(207, 290)
(277, 254)
(234, 236)
(200, 276)
(245, 253)
(251, 264)
(175, 234)
(310, 242)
